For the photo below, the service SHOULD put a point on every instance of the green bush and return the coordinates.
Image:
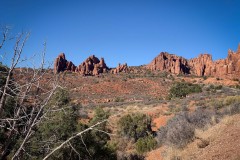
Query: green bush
(62, 123)
(134, 126)
(3, 74)
(146, 144)
(182, 89)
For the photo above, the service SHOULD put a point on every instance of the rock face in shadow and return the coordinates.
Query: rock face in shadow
(61, 64)
(203, 65)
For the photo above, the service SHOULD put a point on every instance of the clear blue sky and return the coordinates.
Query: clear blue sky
(132, 31)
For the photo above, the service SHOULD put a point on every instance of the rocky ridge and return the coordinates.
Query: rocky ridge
(203, 65)
(91, 66)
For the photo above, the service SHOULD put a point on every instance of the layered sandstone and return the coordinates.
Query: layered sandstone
(169, 63)
(61, 64)
(91, 66)
(203, 65)
(121, 68)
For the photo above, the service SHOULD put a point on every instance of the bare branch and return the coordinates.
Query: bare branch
(69, 139)
(4, 34)
(79, 157)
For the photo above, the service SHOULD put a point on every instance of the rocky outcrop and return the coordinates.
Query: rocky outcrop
(170, 63)
(121, 68)
(203, 65)
(92, 66)
(61, 64)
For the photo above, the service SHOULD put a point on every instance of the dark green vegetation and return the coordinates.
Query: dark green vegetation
(146, 144)
(135, 126)
(3, 74)
(138, 127)
(182, 89)
(58, 124)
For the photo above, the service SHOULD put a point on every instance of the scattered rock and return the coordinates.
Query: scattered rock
(202, 143)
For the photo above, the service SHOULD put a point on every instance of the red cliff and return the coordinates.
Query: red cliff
(203, 65)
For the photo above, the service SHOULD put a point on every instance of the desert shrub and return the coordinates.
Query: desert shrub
(180, 130)
(163, 74)
(200, 117)
(146, 144)
(3, 74)
(182, 89)
(234, 108)
(237, 86)
(218, 87)
(226, 102)
(129, 156)
(214, 88)
(231, 100)
(60, 124)
(60, 98)
(174, 108)
(119, 99)
(217, 104)
(134, 126)
(161, 135)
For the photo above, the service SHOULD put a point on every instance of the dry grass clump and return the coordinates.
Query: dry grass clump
(228, 106)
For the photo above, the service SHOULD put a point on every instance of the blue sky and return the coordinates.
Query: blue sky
(132, 31)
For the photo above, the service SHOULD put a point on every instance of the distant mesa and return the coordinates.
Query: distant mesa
(203, 65)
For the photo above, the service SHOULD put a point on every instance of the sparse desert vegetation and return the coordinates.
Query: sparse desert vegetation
(87, 103)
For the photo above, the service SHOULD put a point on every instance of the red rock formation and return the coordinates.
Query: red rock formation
(92, 66)
(61, 64)
(200, 66)
(121, 68)
(170, 63)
